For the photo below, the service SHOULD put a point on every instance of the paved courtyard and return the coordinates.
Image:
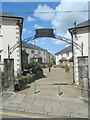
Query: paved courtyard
(48, 86)
(46, 100)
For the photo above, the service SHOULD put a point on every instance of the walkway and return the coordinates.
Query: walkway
(49, 86)
(46, 100)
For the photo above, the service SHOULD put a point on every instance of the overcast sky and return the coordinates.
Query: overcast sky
(57, 15)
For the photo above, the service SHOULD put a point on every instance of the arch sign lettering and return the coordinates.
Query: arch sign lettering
(44, 33)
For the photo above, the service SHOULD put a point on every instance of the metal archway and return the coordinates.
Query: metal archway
(49, 32)
(43, 32)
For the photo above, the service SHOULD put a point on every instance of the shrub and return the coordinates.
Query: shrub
(67, 68)
(63, 66)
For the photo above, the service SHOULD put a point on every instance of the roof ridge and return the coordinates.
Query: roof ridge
(67, 49)
(38, 47)
(5, 14)
(82, 24)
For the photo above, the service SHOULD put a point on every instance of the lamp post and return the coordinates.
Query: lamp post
(49, 63)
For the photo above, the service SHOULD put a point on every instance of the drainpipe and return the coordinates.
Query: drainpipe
(72, 55)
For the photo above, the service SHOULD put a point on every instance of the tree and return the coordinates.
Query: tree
(52, 60)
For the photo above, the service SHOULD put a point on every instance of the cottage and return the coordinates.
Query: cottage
(64, 56)
(35, 53)
(10, 34)
(79, 35)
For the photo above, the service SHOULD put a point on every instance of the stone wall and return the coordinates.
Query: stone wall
(83, 76)
(21, 83)
(8, 80)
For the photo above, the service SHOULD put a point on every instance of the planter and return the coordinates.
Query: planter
(23, 81)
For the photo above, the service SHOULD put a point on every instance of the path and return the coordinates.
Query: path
(46, 101)
(49, 86)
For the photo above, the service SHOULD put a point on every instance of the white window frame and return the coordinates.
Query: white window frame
(32, 52)
(67, 54)
(39, 52)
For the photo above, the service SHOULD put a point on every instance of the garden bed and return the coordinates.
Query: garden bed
(24, 80)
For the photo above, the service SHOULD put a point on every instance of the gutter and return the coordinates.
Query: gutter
(78, 27)
(12, 17)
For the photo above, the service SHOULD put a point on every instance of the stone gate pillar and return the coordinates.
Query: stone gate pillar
(83, 76)
(8, 83)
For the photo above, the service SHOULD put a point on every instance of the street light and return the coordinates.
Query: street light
(49, 62)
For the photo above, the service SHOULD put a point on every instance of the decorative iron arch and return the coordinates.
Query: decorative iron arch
(45, 33)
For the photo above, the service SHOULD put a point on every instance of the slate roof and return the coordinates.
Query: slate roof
(81, 25)
(32, 46)
(67, 49)
(4, 14)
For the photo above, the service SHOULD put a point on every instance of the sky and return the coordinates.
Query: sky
(57, 15)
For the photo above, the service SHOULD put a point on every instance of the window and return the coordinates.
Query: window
(44, 60)
(0, 27)
(44, 53)
(25, 49)
(0, 58)
(61, 55)
(39, 52)
(32, 51)
(67, 54)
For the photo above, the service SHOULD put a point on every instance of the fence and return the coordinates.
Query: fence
(83, 76)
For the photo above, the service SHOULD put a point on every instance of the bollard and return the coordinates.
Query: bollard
(58, 89)
(34, 87)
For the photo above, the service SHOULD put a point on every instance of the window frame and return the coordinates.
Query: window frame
(33, 51)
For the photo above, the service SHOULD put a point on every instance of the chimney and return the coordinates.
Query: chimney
(33, 42)
(67, 44)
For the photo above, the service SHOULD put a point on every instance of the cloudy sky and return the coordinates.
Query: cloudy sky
(57, 15)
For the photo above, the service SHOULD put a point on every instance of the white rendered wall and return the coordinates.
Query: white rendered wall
(11, 35)
(89, 54)
(82, 35)
(59, 56)
(44, 56)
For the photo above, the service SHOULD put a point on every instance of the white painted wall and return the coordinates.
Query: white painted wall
(82, 36)
(89, 54)
(43, 54)
(59, 56)
(10, 36)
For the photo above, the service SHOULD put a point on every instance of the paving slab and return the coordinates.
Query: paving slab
(18, 99)
(46, 101)
(48, 105)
